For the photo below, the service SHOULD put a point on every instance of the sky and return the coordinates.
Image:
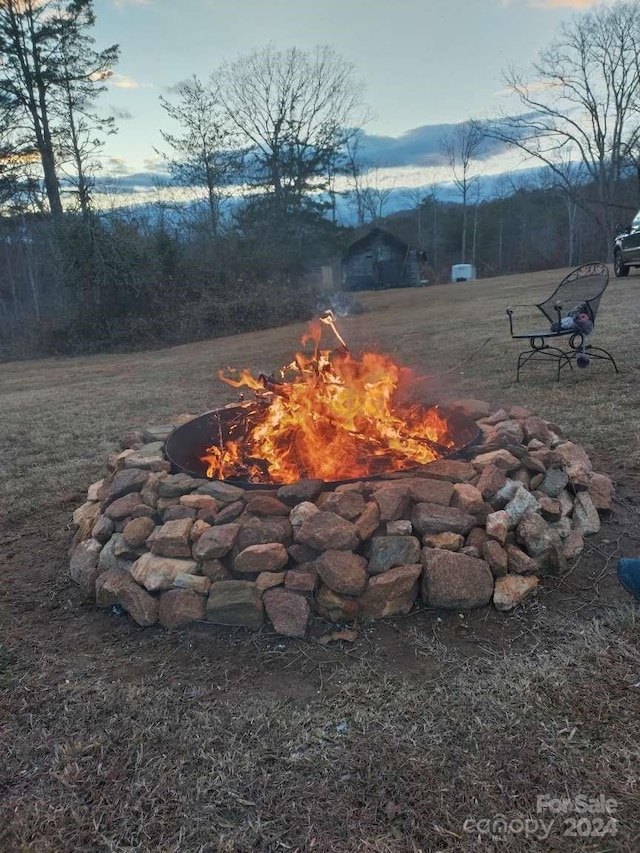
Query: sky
(425, 64)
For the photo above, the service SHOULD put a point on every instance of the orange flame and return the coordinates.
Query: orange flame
(332, 415)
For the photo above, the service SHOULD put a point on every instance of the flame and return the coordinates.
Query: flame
(331, 415)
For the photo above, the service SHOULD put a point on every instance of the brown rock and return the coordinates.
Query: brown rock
(142, 607)
(83, 533)
(156, 573)
(173, 539)
(522, 476)
(496, 557)
(519, 412)
(123, 507)
(601, 492)
(391, 593)
(446, 541)
(103, 529)
(236, 603)
(269, 557)
(93, 492)
(287, 611)
(402, 527)
(343, 571)
(197, 502)
(576, 464)
(541, 542)
(506, 432)
(267, 580)
(533, 464)
(537, 428)
(267, 505)
(455, 580)
(423, 490)
(108, 586)
(453, 470)
(495, 417)
(471, 551)
(180, 607)
(229, 513)
(132, 440)
(501, 459)
(261, 531)
(393, 500)
(175, 512)
(474, 409)
(198, 529)
(433, 518)
(536, 481)
(84, 565)
(467, 498)
(573, 545)
(551, 508)
(491, 481)
(302, 553)
(349, 505)
(520, 563)
(123, 483)
(302, 491)
(389, 551)
(512, 590)
(476, 537)
(303, 579)
(215, 571)
(334, 607)
(326, 530)
(368, 522)
(176, 485)
(497, 525)
(216, 542)
(224, 493)
(88, 512)
(195, 583)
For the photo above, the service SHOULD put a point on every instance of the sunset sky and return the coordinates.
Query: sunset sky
(423, 62)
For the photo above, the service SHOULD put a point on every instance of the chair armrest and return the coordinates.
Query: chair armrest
(510, 312)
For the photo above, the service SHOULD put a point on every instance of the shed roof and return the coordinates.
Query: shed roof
(372, 235)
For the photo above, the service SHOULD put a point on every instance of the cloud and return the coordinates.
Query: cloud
(154, 164)
(421, 146)
(120, 113)
(121, 81)
(117, 166)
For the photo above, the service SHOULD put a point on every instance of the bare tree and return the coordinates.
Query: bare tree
(203, 154)
(294, 110)
(376, 192)
(583, 104)
(462, 147)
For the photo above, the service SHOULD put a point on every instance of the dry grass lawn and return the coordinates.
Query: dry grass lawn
(116, 738)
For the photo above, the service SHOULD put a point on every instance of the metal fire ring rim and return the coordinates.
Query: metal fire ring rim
(459, 453)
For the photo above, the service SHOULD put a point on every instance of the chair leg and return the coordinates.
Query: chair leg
(546, 353)
(602, 354)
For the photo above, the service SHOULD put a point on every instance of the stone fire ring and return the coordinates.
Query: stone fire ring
(174, 549)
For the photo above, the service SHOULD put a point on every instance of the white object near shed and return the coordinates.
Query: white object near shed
(463, 272)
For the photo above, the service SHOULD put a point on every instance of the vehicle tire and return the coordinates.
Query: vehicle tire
(621, 270)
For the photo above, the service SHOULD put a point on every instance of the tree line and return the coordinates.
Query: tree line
(265, 148)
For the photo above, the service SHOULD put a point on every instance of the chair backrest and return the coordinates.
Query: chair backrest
(585, 284)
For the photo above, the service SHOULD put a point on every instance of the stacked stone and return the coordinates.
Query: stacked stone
(172, 549)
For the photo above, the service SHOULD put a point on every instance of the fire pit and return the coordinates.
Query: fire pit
(188, 445)
(325, 494)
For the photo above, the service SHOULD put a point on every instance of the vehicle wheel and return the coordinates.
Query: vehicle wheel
(620, 269)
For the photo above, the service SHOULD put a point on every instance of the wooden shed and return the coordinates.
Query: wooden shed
(379, 260)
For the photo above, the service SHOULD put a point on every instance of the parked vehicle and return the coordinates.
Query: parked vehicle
(626, 252)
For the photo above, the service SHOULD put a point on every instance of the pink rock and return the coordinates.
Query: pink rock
(216, 542)
(267, 505)
(601, 492)
(496, 557)
(180, 607)
(391, 593)
(303, 579)
(269, 557)
(455, 580)
(123, 507)
(287, 611)
(392, 500)
(491, 481)
(512, 590)
(349, 505)
(498, 524)
(467, 498)
(326, 530)
(368, 522)
(336, 608)
(173, 539)
(343, 571)
(520, 563)
(423, 490)
(474, 409)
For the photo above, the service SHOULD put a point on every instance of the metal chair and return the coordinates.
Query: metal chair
(583, 287)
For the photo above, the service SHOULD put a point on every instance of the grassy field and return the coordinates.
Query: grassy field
(116, 738)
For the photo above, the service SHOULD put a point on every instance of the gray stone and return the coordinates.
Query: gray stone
(216, 542)
(222, 492)
(585, 516)
(236, 603)
(349, 505)
(84, 565)
(261, 531)
(431, 518)
(521, 503)
(176, 485)
(390, 551)
(555, 480)
(302, 491)
(108, 560)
